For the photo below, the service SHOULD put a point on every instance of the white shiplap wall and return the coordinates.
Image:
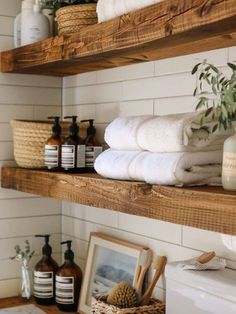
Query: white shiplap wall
(160, 87)
(23, 215)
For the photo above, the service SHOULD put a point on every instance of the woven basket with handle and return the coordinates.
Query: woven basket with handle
(29, 138)
(71, 19)
(99, 306)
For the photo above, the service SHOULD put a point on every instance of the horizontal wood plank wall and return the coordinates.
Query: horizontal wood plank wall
(166, 29)
(23, 215)
(7, 14)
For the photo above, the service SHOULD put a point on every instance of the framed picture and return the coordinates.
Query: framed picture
(109, 262)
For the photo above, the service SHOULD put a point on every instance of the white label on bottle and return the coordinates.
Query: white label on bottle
(80, 156)
(64, 290)
(43, 284)
(68, 156)
(51, 156)
(229, 164)
(91, 154)
(36, 34)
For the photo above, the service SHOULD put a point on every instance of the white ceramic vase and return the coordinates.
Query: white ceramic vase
(229, 164)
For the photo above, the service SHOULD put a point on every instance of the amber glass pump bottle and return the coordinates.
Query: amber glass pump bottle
(73, 149)
(52, 152)
(44, 275)
(92, 147)
(68, 282)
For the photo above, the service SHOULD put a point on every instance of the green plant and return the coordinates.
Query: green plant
(23, 256)
(216, 93)
(56, 4)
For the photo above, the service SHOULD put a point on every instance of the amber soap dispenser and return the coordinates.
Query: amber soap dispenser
(44, 275)
(52, 152)
(73, 149)
(68, 282)
(92, 147)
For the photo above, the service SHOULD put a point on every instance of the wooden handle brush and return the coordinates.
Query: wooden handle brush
(159, 269)
(145, 263)
(206, 257)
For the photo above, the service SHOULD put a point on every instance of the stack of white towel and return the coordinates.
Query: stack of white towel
(168, 150)
(109, 9)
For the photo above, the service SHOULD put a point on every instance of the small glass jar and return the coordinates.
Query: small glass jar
(26, 285)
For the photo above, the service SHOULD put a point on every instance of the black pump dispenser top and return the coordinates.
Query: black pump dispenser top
(56, 128)
(74, 129)
(47, 249)
(91, 130)
(69, 254)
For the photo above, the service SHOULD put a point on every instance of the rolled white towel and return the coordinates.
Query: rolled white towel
(178, 133)
(180, 169)
(105, 10)
(121, 133)
(109, 9)
(135, 167)
(114, 164)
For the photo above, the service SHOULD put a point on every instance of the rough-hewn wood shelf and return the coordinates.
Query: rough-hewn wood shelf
(209, 208)
(166, 29)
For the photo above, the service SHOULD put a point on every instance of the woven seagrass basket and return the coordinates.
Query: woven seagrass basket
(29, 138)
(71, 19)
(99, 306)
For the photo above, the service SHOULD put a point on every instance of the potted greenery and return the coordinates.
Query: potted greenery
(216, 92)
(24, 257)
(57, 4)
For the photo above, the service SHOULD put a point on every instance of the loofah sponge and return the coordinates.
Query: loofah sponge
(123, 296)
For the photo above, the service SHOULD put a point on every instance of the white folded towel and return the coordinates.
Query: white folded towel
(108, 9)
(114, 164)
(161, 168)
(121, 133)
(178, 133)
(198, 168)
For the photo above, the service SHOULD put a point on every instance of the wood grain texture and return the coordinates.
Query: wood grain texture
(17, 301)
(166, 29)
(209, 208)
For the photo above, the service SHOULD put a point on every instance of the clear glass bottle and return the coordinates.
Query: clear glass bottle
(26, 284)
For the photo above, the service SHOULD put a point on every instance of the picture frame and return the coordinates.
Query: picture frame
(109, 261)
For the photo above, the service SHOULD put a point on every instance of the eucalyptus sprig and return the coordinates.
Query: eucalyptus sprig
(220, 100)
(56, 4)
(23, 256)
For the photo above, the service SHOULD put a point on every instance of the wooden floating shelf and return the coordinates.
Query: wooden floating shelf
(166, 29)
(209, 208)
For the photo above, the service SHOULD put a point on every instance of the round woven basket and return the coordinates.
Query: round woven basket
(71, 19)
(99, 306)
(29, 138)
